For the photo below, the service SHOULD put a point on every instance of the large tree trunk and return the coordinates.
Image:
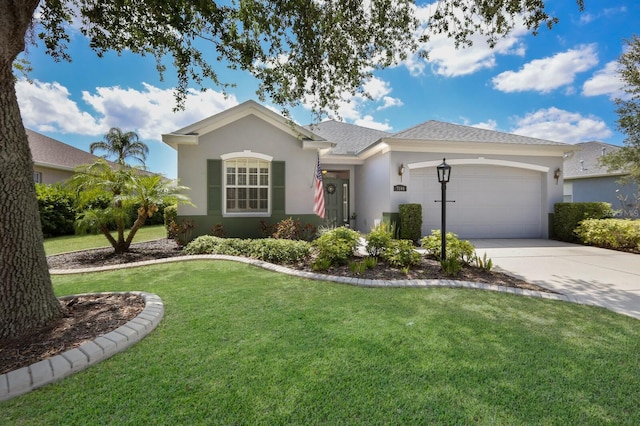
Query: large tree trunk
(27, 301)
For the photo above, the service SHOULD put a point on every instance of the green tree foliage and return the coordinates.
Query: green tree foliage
(628, 110)
(57, 211)
(127, 188)
(298, 49)
(121, 144)
(316, 51)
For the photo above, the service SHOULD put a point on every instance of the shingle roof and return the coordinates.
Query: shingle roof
(47, 151)
(349, 138)
(438, 131)
(585, 163)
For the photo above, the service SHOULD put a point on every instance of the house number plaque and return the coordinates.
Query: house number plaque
(400, 188)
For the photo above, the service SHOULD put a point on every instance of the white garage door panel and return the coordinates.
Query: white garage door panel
(490, 201)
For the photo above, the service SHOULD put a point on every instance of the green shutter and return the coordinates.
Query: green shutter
(214, 187)
(277, 188)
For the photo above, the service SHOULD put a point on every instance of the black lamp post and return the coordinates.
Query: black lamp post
(444, 173)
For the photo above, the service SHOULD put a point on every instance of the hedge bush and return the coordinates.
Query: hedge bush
(336, 246)
(619, 234)
(57, 211)
(401, 254)
(379, 239)
(267, 249)
(462, 250)
(410, 222)
(279, 251)
(567, 217)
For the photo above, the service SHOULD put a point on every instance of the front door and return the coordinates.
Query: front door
(336, 201)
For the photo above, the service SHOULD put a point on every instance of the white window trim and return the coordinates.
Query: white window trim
(240, 155)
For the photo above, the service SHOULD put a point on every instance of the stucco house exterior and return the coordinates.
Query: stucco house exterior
(55, 161)
(585, 180)
(249, 164)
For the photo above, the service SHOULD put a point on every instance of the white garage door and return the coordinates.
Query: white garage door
(490, 201)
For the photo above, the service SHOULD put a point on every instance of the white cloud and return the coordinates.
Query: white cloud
(545, 75)
(352, 108)
(488, 125)
(605, 82)
(563, 126)
(389, 102)
(48, 107)
(368, 121)
(448, 61)
(149, 112)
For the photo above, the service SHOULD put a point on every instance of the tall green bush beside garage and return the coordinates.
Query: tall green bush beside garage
(567, 217)
(410, 222)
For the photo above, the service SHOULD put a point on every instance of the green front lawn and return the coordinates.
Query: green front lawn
(57, 245)
(241, 345)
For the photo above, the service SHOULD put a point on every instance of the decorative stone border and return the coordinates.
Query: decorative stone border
(26, 379)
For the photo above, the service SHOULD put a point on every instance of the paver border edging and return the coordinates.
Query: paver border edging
(323, 277)
(26, 379)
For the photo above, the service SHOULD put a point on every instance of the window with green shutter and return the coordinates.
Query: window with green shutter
(246, 185)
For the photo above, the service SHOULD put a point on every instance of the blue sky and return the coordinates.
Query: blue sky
(557, 85)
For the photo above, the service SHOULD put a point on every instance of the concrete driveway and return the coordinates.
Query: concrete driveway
(589, 275)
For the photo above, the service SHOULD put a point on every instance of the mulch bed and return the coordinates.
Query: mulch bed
(85, 318)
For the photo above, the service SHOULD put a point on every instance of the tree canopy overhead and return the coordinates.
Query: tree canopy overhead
(317, 50)
(311, 50)
(628, 110)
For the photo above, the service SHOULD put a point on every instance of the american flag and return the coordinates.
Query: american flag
(318, 200)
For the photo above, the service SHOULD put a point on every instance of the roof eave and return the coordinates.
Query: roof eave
(175, 139)
(411, 145)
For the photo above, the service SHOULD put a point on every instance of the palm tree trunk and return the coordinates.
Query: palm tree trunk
(27, 301)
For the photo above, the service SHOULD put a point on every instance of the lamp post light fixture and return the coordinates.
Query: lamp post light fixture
(444, 173)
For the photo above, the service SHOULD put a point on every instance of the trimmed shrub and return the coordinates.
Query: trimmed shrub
(462, 250)
(401, 254)
(567, 217)
(208, 244)
(267, 249)
(279, 251)
(619, 234)
(57, 211)
(337, 245)
(410, 222)
(379, 239)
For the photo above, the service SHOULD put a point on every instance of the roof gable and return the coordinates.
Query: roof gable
(189, 135)
(584, 163)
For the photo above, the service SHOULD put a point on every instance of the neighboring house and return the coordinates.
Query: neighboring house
(54, 161)
(585, 180)
(249, 164)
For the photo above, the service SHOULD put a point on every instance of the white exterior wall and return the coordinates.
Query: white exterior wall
(373, 192)
(254, 134)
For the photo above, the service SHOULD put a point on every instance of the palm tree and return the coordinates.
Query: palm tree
(127, 188)
(123, 145)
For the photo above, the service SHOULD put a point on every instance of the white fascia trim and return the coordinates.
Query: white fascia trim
(341, 160)
(598, 175)
(480, 161)
(173, 140)
(246, 154)
(311, 144)
(453, 147)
